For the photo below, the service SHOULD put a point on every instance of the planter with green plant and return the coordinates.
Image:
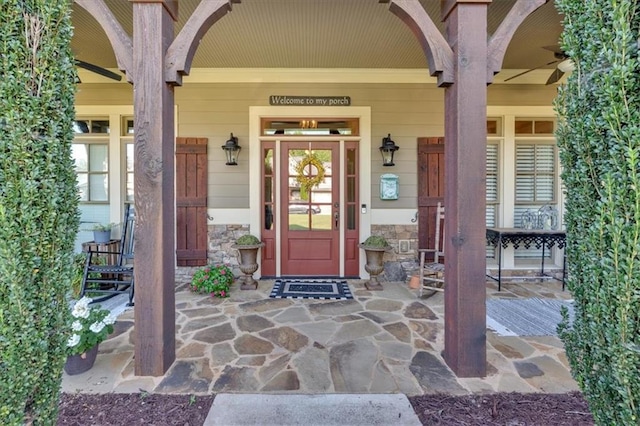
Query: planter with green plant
(374, 249)
(102, 232)
(248, 246)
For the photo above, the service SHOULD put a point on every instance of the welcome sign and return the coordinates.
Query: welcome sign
(310, 100)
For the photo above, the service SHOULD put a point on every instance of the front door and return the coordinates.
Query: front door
(310, 208)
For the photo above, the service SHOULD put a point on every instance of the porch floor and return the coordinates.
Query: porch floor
(380, 342)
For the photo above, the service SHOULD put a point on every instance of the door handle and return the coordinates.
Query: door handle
(336, 217)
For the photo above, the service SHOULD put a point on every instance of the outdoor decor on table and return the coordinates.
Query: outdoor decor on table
(311, 289)
(91, 325)
(248, 246)
(374, 248)
(213, 280)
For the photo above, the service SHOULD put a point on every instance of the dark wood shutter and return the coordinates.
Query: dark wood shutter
(191, 201)
(430, 187)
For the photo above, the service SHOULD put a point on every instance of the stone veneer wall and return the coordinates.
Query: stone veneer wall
(222, 237)
(394, 234)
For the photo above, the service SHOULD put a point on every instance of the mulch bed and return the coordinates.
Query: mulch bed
(509, 409)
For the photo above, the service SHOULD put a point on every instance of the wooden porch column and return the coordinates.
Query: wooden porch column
(466, 139)
(154, 188)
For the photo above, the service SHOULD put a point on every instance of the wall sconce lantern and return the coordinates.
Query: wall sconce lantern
(232, 150)
(387, 150)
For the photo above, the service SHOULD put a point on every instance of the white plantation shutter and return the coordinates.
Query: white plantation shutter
(535, 183)
(535, 173)
(492, 191)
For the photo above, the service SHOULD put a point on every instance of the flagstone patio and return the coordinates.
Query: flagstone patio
(380, 342)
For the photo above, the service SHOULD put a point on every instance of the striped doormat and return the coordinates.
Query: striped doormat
(310, 289)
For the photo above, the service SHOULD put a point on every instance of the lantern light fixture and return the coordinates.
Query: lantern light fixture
(387, 150)
(232, 150)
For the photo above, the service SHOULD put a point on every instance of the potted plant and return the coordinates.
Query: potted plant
(374, 248)
(91, 325)
(213, 280)
(102, 233)
(248, 246)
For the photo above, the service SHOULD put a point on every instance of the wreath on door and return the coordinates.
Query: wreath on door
(304, 170)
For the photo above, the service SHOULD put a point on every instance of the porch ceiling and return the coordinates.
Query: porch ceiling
(322, 34)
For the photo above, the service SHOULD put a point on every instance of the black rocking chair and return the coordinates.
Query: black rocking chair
(104, 281)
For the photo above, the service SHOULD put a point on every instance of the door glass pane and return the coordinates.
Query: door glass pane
(351, 217)
(310, 189)
(268, 188)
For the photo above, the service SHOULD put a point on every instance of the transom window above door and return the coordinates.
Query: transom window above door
(315, 126)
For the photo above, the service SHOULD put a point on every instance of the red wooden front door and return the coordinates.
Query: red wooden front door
(430, 187)
(310, 216)
(191, 201)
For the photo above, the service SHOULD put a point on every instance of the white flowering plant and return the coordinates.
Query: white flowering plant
(91, 325)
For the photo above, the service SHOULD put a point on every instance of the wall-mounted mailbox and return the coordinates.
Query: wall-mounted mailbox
(389, 187)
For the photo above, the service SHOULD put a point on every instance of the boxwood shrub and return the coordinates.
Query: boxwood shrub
(38, 205)
(599, 140)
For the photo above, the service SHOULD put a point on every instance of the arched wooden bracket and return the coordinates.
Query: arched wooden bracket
(434, 45)
(180, 54)
(501, 38)
(119, 39)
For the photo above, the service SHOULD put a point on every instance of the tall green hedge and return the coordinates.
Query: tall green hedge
(599, 139)
(38, 205)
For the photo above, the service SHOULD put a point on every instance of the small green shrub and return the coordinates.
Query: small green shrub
(248, 240)
(375, 241)
(213, 280)
(102, 227)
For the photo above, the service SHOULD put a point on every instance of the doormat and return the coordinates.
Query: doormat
(310, 289)
(526, 317)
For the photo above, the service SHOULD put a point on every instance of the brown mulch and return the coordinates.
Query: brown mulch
(509, 409)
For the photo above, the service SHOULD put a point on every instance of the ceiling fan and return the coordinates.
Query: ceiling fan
(562, 59)
(98, 70)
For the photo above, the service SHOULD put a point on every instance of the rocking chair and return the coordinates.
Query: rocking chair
(432, 272)
(102, 282)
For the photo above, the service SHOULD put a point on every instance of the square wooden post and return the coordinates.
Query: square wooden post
(465, 151)
(154, 191)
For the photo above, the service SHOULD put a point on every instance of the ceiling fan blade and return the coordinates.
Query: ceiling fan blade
(98, 70)
(529, 70)
(555, 76)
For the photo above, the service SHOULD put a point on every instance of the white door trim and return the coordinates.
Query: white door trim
(364, 172)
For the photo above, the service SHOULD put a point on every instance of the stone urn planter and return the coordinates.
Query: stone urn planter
(374, 249)
(248, 247)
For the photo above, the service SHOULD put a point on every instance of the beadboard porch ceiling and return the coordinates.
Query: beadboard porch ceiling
(323, 34)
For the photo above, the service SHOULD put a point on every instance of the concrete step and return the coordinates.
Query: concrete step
(312, 410)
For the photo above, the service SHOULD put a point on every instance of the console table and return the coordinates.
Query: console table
(538, 238)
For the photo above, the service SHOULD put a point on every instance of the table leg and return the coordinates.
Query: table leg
(499, 262)
(543, 247)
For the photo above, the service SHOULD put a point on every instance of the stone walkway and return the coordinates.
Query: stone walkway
(380, 342)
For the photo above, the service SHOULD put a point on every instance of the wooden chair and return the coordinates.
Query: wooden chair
(431, 267)
(102, 281)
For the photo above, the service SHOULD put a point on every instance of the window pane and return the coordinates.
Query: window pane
(98, 187)
(129, 186)
(525, 186)
(83, 187)
(81, 126)
(351, 161)
(130, 157)
(98, 158)
(80, 154)
(544, 127)
(100, 126)
(523, 127)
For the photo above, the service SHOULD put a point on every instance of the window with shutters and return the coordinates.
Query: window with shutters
(535, 173)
